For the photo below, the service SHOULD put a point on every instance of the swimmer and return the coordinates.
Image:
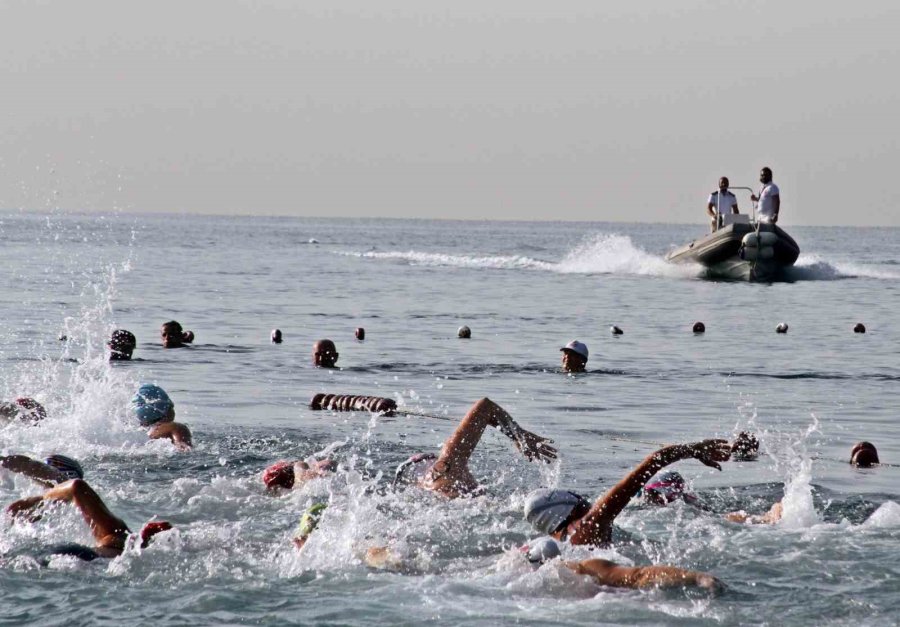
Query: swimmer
(566, 515)
(864, 455)
(154, 409)
(464, 333)
(378, 557)
(110, 532)
(325, 354)
(448, 473)
(173, 336)
(667, 488)
(276, 336)
(121, 345)
(23, 409)
(574, 356)
(308, 523)
(289, 475)
(54, 470)
(607, 573)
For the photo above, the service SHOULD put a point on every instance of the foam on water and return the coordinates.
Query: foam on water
(602, 253)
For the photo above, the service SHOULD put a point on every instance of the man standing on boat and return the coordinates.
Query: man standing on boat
(719, 202)
(769, 197)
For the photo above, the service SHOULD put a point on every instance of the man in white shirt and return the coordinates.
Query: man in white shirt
(720, 201)
(769, 197)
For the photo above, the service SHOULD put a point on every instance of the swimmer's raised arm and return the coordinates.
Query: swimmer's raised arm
(596, 526)
(608, 573)
(177, 432)
(108, 530)
(44, 474)
(458, 448)
(450, 473)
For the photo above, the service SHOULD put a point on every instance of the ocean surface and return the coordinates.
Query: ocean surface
(525, 289)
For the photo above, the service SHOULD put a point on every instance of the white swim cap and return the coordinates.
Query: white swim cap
(542, 550)
(547, 510)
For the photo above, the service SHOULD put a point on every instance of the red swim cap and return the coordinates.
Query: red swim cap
(279, 475)
(151, 529)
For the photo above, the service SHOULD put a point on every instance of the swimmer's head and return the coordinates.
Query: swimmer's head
(24, 409)
(276, 336)
(65, 465)
(864, 455)
(152, 405)
(549, 511)
(665, 488)
(308, 523)
(324, 354)
(279, 475)
(541, 551)
(360, 334)
(172, 334)
(121, 345)
(745, 447)
(151, 529)
(405, 469)
(574, 356)
(699, 327)
(464, 332)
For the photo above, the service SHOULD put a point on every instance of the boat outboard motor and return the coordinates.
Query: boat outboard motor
(758, 246)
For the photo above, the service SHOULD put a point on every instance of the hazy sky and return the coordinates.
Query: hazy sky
(508, 109)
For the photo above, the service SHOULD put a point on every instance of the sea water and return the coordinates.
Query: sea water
(525, 289)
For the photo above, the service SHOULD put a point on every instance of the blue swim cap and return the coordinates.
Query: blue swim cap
(151, 404)
(66, 466)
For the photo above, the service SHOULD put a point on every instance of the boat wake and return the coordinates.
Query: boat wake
(812, 268)
(611, 253)
(601, 254)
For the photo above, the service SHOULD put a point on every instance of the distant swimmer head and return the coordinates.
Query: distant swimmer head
(360, 334)
(699, 327)
(665, 488)
(413, 468)
(151, 529)
(574, 356)
(859, 328)
(616, 330)
(279, 475)
(864, 455)
(745, 447)
(781, 328)
(464, 332)
(541, 551)
(151, 405)
(172, 334)
(24, 409)
(68, 467)
(121, 345)
(276, 336)
(324, 354)
(549, 510)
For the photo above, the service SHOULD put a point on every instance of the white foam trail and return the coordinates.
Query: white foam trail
(617, 254)
(600, 254)
(459, 261)
(811, 267)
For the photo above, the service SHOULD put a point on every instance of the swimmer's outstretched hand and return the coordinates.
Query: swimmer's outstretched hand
(27, 508)
(534, 446)
(710, 452)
